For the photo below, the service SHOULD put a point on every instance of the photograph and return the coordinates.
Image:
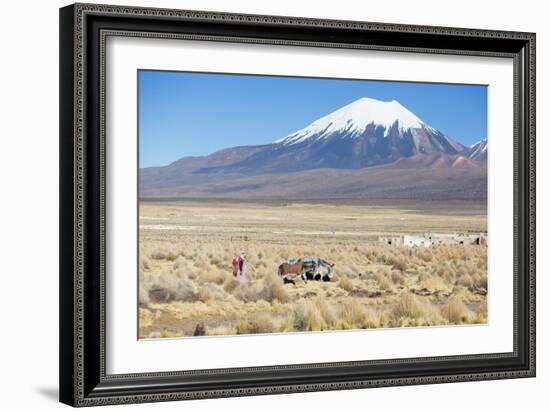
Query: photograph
(277, 204)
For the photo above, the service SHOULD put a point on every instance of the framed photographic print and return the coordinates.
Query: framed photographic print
(260, 204)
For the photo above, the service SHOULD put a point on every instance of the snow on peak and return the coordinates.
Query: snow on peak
(478, 149)
(481, 144)
(355, 117)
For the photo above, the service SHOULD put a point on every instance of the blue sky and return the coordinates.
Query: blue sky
(190, 114)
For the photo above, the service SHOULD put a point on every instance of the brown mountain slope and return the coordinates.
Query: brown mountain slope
(425, 176)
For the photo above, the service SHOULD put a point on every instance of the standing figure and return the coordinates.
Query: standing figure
(235, 265)
(242, 267)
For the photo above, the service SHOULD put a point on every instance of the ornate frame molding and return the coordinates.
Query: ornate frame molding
(83, 378)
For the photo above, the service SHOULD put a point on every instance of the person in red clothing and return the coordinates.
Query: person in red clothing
(235, 265)
(242, 267)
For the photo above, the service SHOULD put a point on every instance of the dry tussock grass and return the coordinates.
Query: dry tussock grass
(456, 312)
(186, 277)
(345, 283)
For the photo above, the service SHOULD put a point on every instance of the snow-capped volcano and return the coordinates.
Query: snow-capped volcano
(375, 131)
(354, 119)
(335, 156)
(364, 133)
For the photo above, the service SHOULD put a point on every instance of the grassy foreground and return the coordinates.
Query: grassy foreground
(186, 286)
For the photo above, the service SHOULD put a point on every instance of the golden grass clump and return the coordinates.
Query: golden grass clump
(230, 284)
(425, 255)
(465, 280)
(384, 283)
(167, 286)
(410, 306)
(273, 289)
(261, 324)
(221, 330)
(143, 295)
(158, 255)
(214, 276)
(169, 255)
(247, 292)
(353, 315)
(455, 311)
(307, 316)
(398, 262)
(345, 283)
(482, 281)
(146, 317)
(269, 289)
(211, 292)
(397, 277)
(145, 263)
(481, 316)
(433, 282)
(328, 312)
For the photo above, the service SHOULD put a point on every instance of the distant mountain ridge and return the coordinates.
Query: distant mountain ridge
(366, 134)
(477, 151)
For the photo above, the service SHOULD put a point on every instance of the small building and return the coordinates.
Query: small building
(416, 240)
(391, 240)
(471, 239)
(441, 238)
(429, 239)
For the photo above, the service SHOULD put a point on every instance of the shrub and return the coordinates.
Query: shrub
(353, 314)
(205, 295)
(145, 263)
(209, 292)
(482, 282)
(221, 330)
(410, 306)
(398, 263)
(456, 311)
(481, 316)
(185, 290)
(328, 313)
(143, 295)
(169, 286)
(432, 282)
(307, 316)
(171, 256)
(230, 284)
(383, 282)
(425, 255)
(261, 264)
(465, 280)
(397, 277)
(213, 276)
(273, 289)
(448, 274)
(179, 263)
(247, 292)
(261, 324)
(158, 255)
(345, 283)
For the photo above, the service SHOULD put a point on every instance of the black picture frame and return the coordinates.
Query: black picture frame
(83, 29)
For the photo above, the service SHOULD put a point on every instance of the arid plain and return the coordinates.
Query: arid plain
(187, 287)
